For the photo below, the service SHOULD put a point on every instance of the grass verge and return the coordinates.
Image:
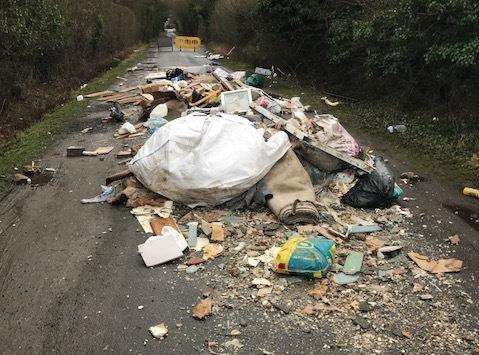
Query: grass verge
(30, 143)
(434, 146)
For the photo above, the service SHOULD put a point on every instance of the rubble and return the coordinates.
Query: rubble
(468, 191)
(436, 266)
(203, 309)
(212, 250)
(159, 331)
(275, 222)
(75, 151)
(21, 179)
(455, 239)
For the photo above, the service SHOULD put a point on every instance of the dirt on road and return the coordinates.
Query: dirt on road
(72, 280)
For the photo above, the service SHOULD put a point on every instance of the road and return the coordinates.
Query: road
(72, 281)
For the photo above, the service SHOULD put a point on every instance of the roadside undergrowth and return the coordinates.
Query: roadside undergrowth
(433, 146)
(33, 141)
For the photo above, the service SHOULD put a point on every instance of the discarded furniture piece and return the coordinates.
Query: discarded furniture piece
(236, 101)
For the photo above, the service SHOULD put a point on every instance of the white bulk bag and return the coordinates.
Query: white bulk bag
(202, 160)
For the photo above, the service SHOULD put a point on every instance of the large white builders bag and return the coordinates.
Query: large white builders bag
(202, 160)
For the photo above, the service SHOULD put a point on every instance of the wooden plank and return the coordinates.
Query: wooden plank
(129, 89)
(118, 176)
(99, 94)
(224, 82)
(119, 97)
(129, 100)
(239, 83)
(206, 99)
(288, 127)
(150, 88)
(206, 86)
(112, 98)
(358, 163)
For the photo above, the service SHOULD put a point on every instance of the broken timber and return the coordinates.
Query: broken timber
(226, 84)
(288, 127)
(118, 176)
(280, 121)
(99, 94)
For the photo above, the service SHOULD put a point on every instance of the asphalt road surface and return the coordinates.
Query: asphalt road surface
(72, 282)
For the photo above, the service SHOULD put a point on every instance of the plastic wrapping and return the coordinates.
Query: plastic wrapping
(372, 190)
(306, 256)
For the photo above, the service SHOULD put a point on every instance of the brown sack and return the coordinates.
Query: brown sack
(292, 193)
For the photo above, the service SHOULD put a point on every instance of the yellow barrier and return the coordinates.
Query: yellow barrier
(184, 42)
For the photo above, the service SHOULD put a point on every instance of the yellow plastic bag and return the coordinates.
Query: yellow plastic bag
(307, 256)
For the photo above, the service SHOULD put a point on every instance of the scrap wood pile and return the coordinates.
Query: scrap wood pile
(275, 187)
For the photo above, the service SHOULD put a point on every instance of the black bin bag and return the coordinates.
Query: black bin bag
(372, 190)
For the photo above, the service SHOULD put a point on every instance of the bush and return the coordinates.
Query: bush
(50, 46)
(428, 49)
(423, 52)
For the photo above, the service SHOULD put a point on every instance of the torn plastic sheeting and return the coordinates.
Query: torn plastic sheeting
(116, 113)
(238, 75)
(107, 192)
(126, 128)
(198, 69)
(154, 124)
(204, 160)
(269, 104)
(160, 111)
(334, 135)
(175, 75)
(255, 80)
(297, 109)
(221, 73)
(263, 71)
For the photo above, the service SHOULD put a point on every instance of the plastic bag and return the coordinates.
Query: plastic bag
(269, 104)
(175, 75)
(306, 256)
(297, 109)
(127, 128)
(115, 112)
(372, 190)
(202, 160)
(334, 135)
(154, 124)
(160, 111)
(255, 80)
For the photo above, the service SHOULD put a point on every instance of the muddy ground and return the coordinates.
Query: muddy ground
(72, 281)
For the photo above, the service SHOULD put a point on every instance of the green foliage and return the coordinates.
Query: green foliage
(98, 35)
(32, 142)
(53, 43)
(192, 16)
(36, 29)
(233, 22)
(423, 52)
(427, 48)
